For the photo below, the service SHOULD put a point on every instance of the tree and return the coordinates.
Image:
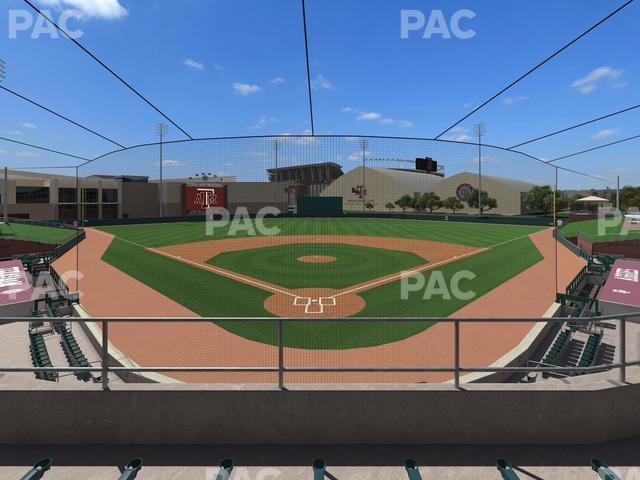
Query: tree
(429, 201)
(629, 197)
(539, 198)
(488, 203)
(453, 204)
(368, 206)
(390, 206)
(404, 202)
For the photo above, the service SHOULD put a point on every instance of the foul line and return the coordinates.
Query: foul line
(424, 267)
(265, 286)
(222, 272)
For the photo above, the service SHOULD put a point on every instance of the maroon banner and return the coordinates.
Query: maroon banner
(197, 199)
(623, 284)
(14, 284)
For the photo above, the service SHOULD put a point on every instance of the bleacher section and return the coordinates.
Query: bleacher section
(558, 346)
(590, 351)
(40, 357)
(73, 352)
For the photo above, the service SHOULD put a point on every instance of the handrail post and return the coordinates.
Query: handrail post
(456, 353)
(105, 355)
(281, 354)
(623, 349)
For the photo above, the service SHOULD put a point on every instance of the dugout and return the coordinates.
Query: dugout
(320, 206)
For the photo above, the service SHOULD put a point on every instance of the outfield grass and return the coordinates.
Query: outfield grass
(353, 264)
(472, 234)
(35, 233)
(208, 294)
(590, 229)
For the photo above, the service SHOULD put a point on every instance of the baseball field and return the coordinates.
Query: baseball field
(323, 268)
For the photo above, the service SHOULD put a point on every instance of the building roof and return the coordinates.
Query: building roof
(593, 199)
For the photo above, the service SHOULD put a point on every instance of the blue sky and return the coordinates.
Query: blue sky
(236, 67)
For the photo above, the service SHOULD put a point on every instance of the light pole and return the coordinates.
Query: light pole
(5, 189)
(276, 147)
(480, 130)
(161, 131)
(364, 182)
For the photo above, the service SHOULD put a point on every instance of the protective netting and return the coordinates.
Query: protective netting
(413, 241)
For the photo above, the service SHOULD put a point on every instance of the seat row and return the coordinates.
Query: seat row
(557, 347)
(40, 357)
(73, 352)
(590, 352)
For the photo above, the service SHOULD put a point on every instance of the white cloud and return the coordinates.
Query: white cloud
(276, 80)
(246, 89)
(15, 132)
(321, 83)
(2, 152)
(510, 101)
(458, 134)
(591, 80)
(193, 64)
(368, 116)
(620, 85)
(174, 163)
(29, 125)
(378, 117)
(606, 133)
(26, 154)
(264, 121)
(489, 160)
(102, 9)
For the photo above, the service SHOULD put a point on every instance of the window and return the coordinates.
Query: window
(90, 195)
(109, 195)
(67, 213)
(67, 195)
(32, 194)
(91, 212)
(110, 211)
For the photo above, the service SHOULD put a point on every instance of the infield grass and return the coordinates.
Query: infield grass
(280, 265)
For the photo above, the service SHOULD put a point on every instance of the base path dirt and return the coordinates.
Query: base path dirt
(316, 259)
(529, 293)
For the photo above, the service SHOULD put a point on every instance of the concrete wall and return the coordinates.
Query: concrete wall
(256, 195)
(140, 200)
(420, 414)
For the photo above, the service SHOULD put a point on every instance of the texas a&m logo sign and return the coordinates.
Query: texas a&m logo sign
(360, 191)
(197, 199)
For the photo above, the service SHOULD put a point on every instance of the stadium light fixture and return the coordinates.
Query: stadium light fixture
(480, 129)
(3, 67)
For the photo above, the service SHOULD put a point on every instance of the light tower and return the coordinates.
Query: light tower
(5, 189)
(480, 129)
(161, 131)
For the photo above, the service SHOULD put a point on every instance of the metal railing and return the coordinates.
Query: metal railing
(282, 369)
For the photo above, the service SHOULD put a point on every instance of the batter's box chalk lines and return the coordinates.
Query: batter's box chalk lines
(314, 305)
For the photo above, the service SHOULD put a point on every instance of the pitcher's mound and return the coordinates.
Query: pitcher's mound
(316, 259)
(314, 303)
